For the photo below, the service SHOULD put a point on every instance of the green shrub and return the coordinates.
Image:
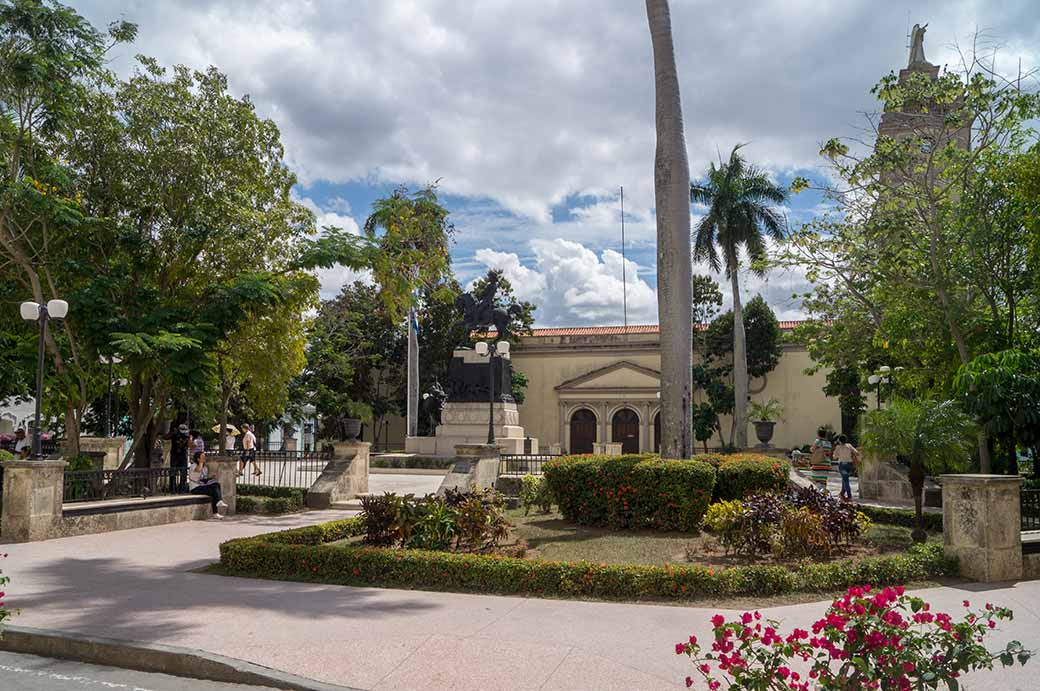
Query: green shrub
(268, 505)
(741, 474)
(534, 492)
(5, 455)
(933, 522)
(634, 491)
(467, 521)
(265, 491)
(301, 555)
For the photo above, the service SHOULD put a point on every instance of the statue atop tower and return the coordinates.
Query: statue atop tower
(917, 46)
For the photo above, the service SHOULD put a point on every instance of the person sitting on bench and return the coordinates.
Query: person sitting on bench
(199, 482)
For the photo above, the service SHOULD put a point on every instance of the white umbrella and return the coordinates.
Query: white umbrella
(231, 429)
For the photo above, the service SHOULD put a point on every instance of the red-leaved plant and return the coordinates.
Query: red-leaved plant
(4, 612)
(867, 640)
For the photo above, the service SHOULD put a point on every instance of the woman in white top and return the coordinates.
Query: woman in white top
(199, 482)
(846, 455)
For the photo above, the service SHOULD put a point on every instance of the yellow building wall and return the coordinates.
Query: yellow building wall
(805, 405)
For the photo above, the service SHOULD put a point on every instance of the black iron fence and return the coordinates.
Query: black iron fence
(1031, 509)
(280, 468)
(48, 447)
(524, 464)
(93, 485)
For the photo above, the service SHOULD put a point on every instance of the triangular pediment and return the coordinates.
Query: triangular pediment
(619, 375)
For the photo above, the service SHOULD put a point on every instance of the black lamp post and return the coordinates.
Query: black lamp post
(32, 311)
(110, 360)
(491, 351)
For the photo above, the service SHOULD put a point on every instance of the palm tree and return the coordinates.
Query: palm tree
(740, 200)
(674, 269)
(933, 436)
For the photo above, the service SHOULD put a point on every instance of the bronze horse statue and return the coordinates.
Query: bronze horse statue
(480, 313)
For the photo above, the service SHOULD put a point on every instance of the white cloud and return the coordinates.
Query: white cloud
(531, 103)
(571, 285)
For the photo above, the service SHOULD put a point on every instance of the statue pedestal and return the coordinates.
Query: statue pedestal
(467, 423)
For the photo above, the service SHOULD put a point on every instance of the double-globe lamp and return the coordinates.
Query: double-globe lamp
(34, 311)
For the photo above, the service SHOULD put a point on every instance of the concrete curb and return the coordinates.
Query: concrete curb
(163, 659)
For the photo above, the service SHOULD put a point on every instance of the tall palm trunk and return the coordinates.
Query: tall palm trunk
(674, 271)
(740, 373)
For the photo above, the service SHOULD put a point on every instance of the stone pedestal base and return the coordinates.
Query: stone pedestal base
(887, 480)
(223, 469)
(606, 448)
(344, 477)
(112, 447)
(467, 423)
(982, 525)
(33, 493)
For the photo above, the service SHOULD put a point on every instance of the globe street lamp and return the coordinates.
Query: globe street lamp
(109, 360)
(32, 311)
(490, 351)
(884, 376)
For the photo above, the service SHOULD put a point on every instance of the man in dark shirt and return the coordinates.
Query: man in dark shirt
(179, 458)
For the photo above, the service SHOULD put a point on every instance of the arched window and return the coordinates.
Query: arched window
(625, 429)
(583, 431)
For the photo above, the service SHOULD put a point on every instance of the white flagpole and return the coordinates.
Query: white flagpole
(413, 375)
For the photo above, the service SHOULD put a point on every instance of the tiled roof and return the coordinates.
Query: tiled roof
(620, 330)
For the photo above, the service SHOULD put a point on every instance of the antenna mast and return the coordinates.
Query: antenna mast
(624, 275)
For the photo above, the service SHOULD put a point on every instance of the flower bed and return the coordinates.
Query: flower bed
(304, 554)
(634, 491)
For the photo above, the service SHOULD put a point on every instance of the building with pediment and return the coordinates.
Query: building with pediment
(591, 385)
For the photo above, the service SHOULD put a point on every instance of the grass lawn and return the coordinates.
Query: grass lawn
(550, 536)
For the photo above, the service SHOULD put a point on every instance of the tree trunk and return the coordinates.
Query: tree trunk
(674, 271)
(71, 446)
(740, 373)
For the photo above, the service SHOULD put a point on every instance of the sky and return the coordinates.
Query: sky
(531, 115)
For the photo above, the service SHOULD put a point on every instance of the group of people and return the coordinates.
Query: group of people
(185, 443)
(843, 453)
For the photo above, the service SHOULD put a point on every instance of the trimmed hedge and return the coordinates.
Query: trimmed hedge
(301, 555)
(932, 521)
(634, 491)
(741, 474)
(419, 462)
(266, 491)
(268, 500)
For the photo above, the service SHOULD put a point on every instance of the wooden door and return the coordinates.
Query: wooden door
(625, 429)
(583, 431)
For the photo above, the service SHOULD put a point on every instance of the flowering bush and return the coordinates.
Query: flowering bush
(633, 491)
(868, 639)
(4, 612)
(463, 521)
(741, 474)
(534, 492)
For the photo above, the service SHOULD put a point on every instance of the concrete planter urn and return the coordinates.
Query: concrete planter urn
(764, 430)
(351, 428)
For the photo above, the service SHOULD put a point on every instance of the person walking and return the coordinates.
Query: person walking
(200, 482)
(248, 452)
(22, 444)
(847, 456)
(179, 457)
(197, 442)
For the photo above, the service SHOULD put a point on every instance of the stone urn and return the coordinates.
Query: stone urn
(351, 428)
(764, 430)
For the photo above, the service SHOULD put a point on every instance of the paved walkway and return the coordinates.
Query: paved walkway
(137, 585)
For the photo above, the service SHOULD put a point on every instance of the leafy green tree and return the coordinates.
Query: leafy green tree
(355, 350)
(1002, 390)
(707, 300)
(50, 57)
(741, 203)
(763, 334)
(933, 436)
(934, 229)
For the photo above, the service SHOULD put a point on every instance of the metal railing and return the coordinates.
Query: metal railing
(93, 485)
(282, 468)
(524, 464)
(1030, 509)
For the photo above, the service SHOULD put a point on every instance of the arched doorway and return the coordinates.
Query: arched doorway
(625, 429)
(583, 431)
(657, 433)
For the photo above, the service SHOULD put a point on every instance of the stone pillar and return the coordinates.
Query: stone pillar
(982, 525)
(33, 492)
(344, 477)
(224, 469)
(112, 447)
(475, 468)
